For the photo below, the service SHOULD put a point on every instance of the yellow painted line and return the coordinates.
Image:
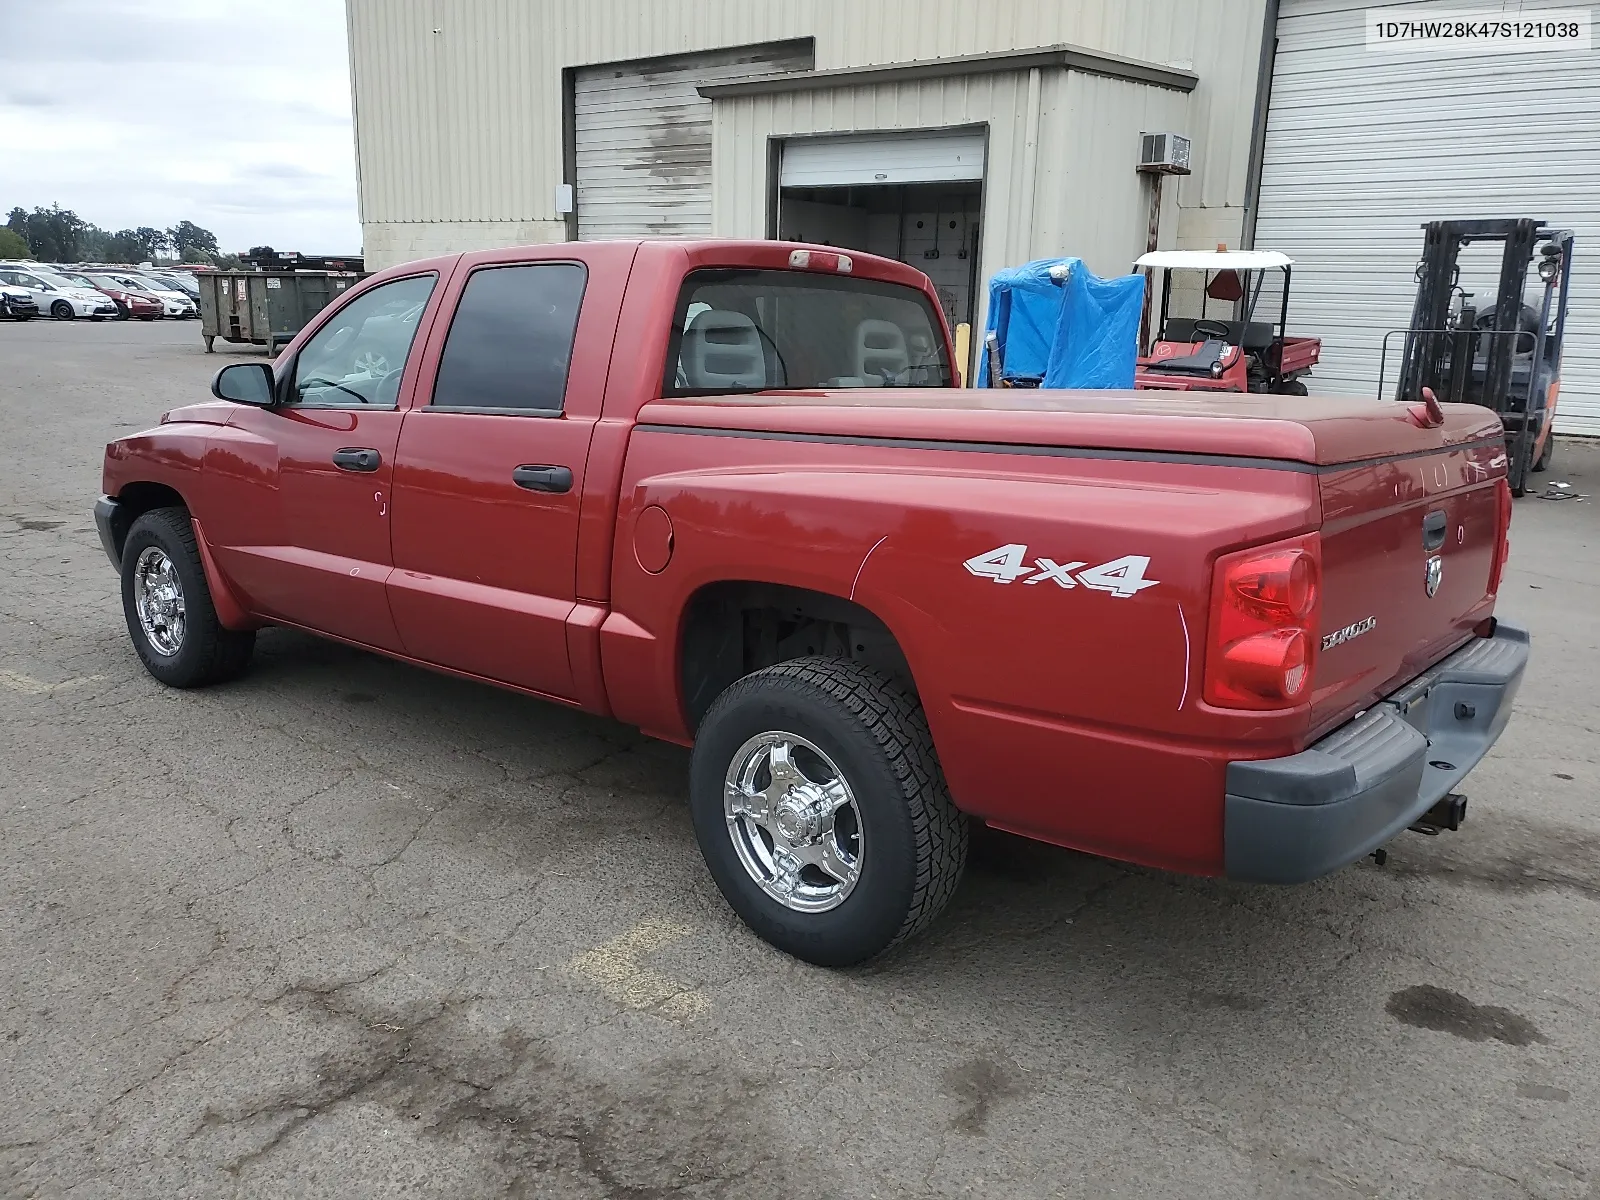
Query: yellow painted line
(617, 967)
(29, 686)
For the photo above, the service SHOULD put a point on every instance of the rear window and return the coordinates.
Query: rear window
(511, 341)
(750, 330)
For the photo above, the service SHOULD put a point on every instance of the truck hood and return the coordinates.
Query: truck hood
(1315, 430)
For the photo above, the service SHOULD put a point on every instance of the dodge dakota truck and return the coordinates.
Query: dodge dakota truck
(725, 492)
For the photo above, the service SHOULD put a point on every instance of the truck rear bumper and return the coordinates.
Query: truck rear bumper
(1287, 820)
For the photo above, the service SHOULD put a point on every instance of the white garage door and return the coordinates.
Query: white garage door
(642, 136)
(938, 156)
(1363, 147)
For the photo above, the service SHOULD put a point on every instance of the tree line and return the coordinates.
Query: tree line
(57, 234)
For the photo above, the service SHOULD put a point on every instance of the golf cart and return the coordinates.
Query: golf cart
(1224, 349)
(1504, 355)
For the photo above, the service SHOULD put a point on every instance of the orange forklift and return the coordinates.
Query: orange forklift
(1505, 356)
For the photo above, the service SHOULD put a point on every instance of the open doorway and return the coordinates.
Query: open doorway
(932, 226)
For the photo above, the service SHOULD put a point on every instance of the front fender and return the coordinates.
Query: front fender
(169, 454)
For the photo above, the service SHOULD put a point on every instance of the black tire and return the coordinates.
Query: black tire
(1517, 469)
(1545, 455)
(122, 312)
(62, 311)
(914, 839)
(1293, 387)
(207, 653)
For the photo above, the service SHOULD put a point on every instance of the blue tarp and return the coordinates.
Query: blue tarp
(1080, 333)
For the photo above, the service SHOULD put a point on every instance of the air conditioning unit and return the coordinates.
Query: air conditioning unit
(1164, 153)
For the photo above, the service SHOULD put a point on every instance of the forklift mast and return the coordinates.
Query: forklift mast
(1427, 354)
(1442, 349)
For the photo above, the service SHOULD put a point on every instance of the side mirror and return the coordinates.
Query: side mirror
(245, 383)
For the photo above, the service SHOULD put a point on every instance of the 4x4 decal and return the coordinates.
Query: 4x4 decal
(1122, 577)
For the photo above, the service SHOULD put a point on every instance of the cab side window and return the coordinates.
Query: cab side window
(511, 341)
(356, 359)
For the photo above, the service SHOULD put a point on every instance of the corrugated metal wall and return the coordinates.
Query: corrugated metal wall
(1089, 200)
(1363, 148)
(458, 102)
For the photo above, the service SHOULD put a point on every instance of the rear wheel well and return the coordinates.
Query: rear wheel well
(733, 628)
(136, 499)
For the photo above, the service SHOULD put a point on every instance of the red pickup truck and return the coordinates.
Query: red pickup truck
(724, 491)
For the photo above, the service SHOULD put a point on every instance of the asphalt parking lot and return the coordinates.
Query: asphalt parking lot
(346, 928)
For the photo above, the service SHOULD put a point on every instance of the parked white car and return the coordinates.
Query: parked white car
(57, 295)
(173, 302)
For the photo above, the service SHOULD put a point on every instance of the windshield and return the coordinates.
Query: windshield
(749, 330)
(76, 280)
(138, 285)
(54, 280)
(106, 281)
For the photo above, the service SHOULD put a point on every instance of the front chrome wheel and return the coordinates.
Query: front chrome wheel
(158, 599)
(794, 821)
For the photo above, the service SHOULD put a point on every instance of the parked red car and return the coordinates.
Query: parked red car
(724, 491)
(129, 303)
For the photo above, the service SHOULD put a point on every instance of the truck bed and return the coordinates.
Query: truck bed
(1316, 431)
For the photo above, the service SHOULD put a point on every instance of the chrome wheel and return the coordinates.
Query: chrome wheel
(158, 599)
(794, 822)
(370, 362)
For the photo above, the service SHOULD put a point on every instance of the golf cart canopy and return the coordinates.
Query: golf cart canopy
(1215, 260)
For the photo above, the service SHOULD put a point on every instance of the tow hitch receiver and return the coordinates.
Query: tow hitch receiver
(1449, 813)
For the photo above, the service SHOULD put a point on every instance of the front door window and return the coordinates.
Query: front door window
(355, 360)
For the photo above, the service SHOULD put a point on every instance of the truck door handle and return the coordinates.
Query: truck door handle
(354, 458)
(1433, 529)
(542, 479)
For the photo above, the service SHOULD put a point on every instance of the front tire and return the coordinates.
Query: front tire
(168, 608)
(62, 311)
(822, 812)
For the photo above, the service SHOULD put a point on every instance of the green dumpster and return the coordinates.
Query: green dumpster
(265, 308)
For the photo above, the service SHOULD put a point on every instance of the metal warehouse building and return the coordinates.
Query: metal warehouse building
(964, 138)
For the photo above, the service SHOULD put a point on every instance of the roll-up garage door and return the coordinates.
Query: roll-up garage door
(642, 136)
(938, 156)
(1363, 147)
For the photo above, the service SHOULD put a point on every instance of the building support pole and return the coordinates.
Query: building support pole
(1030, 169)
(1152, 237)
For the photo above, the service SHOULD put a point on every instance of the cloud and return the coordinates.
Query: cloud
(282, 170)
(147, 112)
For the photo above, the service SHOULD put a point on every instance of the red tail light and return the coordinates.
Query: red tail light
(1502, 495)
(1264, 606)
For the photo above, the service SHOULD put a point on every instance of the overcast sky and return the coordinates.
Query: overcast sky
(234, 114)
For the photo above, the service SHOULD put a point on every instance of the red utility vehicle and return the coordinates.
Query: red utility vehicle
(723, 491)
(1214, 352)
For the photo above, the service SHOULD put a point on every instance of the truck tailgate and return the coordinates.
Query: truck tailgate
(1410, 554)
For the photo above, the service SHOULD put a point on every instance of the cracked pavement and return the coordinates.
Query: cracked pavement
(347, 928)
